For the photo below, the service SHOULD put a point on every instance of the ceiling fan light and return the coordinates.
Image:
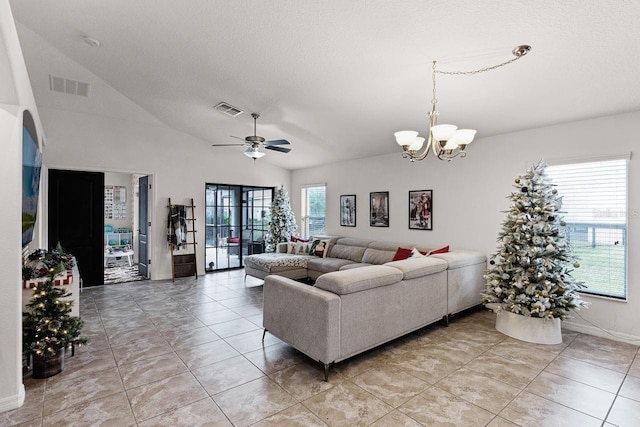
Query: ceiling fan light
(253, 153)
(405, 137)
(443, 132)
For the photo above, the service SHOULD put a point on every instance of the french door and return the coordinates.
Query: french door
(237, 220)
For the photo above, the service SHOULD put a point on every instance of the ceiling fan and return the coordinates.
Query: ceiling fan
(255, 142)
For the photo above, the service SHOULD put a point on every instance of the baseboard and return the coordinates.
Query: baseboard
(12, 402)
(599, 332)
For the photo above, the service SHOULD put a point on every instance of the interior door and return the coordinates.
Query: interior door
(143, 224)
(76, 219)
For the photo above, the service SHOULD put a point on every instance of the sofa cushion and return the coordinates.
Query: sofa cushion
(358, 279)
(327, 265)
(418, 267)
(461, 258)
(354, 265)
(351, 249)
(377, 256)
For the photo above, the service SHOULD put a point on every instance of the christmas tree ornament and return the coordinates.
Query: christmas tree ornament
(517, 180)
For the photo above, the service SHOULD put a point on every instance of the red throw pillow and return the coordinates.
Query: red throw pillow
(440, 251)
(402, 253)
(234, 240)
(298, 239)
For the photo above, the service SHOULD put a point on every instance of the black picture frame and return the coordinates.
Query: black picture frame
(348, 210)
(379, 209)
(421, 210)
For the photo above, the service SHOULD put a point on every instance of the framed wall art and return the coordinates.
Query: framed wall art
(379, 209)
(421, 210)
(348, 210)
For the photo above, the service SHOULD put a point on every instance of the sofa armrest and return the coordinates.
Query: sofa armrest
(303, 316)
(461, 258)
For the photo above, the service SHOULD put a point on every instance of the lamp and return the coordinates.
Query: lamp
(253, 153)
(446, 141)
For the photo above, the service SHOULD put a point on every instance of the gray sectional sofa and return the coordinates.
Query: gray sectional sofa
(361, 297)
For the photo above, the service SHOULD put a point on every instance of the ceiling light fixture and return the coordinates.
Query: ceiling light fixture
(253, 153)
(446, 141)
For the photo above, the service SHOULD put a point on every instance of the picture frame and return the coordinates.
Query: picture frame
(379, 209)
(421, 210)
(348, 210)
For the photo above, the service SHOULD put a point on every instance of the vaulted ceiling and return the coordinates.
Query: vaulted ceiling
(337, 78)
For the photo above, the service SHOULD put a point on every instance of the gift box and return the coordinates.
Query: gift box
(64, 278)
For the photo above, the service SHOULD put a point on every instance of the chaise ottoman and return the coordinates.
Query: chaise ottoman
(286, 265)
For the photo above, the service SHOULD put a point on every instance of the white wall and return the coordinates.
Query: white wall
(180, 166)
(469, 195)
(15, 97)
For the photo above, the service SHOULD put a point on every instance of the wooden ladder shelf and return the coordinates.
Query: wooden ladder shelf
(184, 265)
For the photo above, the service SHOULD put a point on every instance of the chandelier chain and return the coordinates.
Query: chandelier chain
(433, 85)
(518, 54)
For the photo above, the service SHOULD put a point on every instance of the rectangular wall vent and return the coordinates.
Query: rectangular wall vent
(228, 109)
(72, 87)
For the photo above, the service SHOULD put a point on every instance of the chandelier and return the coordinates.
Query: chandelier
(446, 141)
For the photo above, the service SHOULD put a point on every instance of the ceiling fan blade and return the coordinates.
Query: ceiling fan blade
(276, 148)
(278, 142)
(237, 137)
(226, 145)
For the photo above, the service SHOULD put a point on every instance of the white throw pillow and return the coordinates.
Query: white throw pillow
(302, 248)
(416, 254)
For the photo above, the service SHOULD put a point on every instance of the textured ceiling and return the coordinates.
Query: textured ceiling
(335, 77)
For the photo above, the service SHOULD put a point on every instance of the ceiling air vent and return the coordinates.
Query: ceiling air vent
(72, 87)
(228, 109)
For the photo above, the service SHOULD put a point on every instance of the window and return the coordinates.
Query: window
(313, 210)
(595, 209)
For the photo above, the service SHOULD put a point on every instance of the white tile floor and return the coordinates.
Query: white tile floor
(190, 354)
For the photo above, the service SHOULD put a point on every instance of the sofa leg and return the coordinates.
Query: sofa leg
(445, 320)
(326, 371)
(264, 333)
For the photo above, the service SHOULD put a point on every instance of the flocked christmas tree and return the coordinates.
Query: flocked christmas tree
(530, 271)
(47, 325)
(283, 222)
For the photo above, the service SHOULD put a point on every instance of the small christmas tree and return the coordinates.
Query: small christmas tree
(283, 222)
(47, 325)
(530, 272)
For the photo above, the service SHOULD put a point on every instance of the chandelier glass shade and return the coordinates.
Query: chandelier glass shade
(446, 141)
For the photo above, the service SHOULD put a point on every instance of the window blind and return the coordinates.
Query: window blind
(594, 196)
(313, 210)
